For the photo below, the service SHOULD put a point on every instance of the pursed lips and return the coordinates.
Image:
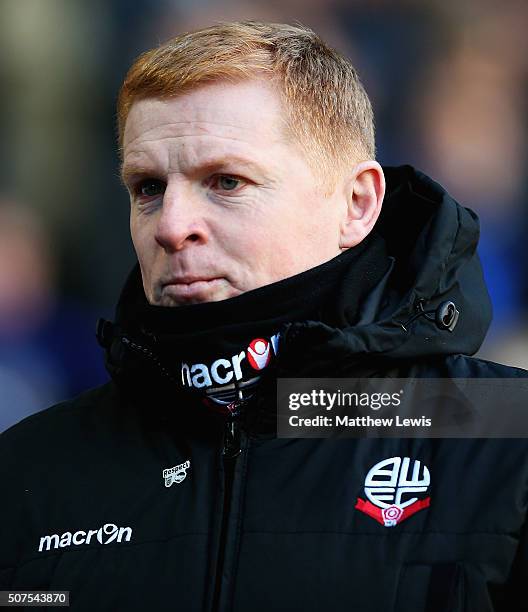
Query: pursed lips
(192, 288)
(189, 280)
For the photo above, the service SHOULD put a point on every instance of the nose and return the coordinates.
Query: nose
(181, 222)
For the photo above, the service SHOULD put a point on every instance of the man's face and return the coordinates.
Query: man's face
(221, 202)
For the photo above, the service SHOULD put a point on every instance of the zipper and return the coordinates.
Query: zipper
(231, 450)
(150, 355)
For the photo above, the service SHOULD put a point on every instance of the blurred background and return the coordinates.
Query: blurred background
(448, 81)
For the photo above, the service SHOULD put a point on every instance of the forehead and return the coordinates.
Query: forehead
(247, 111)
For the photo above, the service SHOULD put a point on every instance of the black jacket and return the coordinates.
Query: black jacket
(132, 501)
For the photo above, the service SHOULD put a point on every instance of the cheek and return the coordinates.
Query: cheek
(305, 238)
(134, 231)
(144, 244)
(254, 250)
(275, 241)
(137, 241)
(146, 255)
(276, 254)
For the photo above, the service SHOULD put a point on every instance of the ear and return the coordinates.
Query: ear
(364, 192)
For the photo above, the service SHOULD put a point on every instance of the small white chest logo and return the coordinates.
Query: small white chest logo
(176, 474)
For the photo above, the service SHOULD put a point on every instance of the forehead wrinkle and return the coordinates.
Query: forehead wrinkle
(196, 161)
(195, 151)
(219, 162)
(169, 137)
(199, 124)
(194, 158)
(181, 151)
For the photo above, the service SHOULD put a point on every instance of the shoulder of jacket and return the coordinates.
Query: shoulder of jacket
(473, 367)
(54, 421)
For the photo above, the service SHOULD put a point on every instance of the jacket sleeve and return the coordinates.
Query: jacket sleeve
(512, 596)
(12, 519)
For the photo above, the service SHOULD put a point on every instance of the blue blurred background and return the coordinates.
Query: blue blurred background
(448, 81)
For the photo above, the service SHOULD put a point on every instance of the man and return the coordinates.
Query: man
(248, 153)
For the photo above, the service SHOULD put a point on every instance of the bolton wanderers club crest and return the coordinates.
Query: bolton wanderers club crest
(390, 486)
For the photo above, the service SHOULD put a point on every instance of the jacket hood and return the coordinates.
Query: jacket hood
(432, 301)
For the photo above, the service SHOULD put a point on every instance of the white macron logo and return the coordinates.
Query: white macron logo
(176, 474)
(104, 535)
(223, 371)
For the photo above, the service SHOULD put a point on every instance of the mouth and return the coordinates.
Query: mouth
(191, 289)
(189, 280)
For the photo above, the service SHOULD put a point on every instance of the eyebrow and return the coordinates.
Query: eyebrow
(128, 171)
(216, 163)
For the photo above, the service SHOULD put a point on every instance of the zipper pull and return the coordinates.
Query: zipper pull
(231, 448)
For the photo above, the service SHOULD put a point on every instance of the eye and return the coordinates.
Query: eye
(150, 188)
(226, 182)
